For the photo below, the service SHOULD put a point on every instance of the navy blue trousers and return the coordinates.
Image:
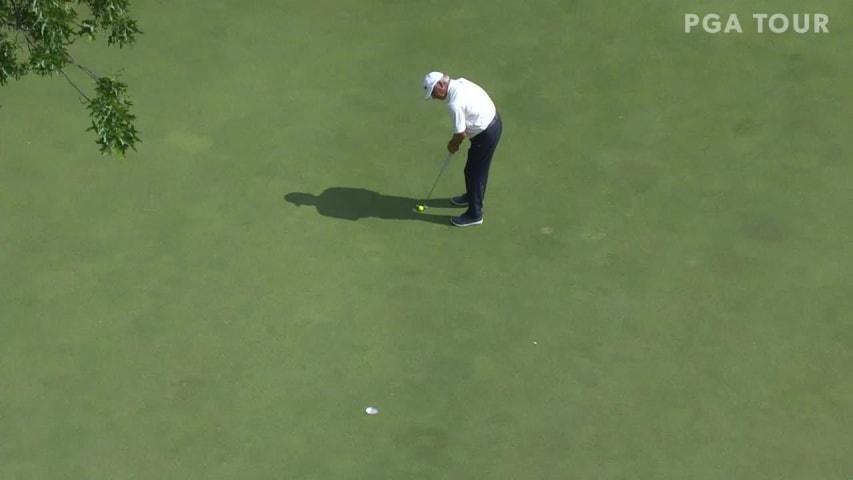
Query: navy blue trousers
(480, 155)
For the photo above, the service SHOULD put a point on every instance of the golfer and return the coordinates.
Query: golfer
(474, 116)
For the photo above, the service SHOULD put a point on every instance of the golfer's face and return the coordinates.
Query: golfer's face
(440, 91)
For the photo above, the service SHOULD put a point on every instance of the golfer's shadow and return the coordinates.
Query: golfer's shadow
(355, 203)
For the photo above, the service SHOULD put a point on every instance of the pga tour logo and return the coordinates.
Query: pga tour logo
(776, 23)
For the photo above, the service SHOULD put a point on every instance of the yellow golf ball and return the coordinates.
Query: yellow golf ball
(420, 208)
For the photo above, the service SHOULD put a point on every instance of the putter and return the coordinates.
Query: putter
(443, 167)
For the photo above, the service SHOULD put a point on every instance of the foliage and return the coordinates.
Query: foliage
(35, 37)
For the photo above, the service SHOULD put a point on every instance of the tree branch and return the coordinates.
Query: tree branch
(81, 67)
(29, 41)
(62, 72)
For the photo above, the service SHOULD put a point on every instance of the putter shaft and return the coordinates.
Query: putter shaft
(440, 172)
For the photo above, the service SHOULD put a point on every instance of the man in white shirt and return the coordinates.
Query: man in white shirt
(474, 116)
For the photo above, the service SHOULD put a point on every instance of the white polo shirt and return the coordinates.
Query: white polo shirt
(471, 108)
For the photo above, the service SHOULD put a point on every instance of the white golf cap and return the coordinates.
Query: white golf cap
(430, 80)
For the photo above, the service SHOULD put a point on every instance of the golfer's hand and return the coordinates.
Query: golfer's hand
(455, 141)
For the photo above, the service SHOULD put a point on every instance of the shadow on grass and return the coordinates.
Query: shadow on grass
(354, 203)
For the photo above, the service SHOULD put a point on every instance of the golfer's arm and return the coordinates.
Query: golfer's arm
(457, 138)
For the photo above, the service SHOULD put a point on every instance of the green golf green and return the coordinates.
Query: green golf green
(661, 288)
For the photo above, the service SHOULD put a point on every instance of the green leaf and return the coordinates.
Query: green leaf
(87, 29)
(113, 16)
(112, 121)
(10, 67)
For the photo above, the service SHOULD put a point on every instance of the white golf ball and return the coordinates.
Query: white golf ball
(371, 410)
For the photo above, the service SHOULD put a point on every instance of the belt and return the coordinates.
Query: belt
(494, 121)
